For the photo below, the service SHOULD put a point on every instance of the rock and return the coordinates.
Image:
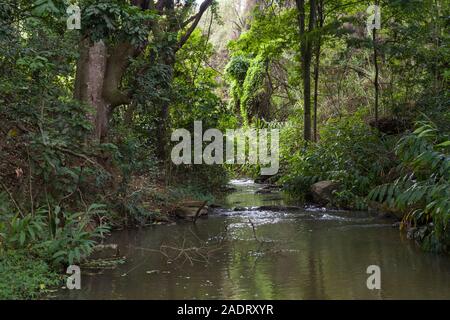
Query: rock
(190, 210)
(162, 219)
(262, 179)
(271, 187)
(228, 189)
(105, 251)
(383, 211)
(240, 209)
(264, 191)
(410, 233)
(322, 191)
(418, 233)
(268, 179)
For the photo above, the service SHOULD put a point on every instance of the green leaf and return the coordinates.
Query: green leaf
(444, 144)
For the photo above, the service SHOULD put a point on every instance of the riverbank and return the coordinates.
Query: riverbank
(29, 274)
(267, 254)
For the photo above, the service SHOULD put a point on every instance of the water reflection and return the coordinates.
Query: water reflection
(305, 254)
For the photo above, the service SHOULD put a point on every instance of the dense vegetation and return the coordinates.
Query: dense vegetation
(87, 114)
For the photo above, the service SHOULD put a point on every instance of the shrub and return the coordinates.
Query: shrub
(58, 236)
(423, 189)
(350, 152)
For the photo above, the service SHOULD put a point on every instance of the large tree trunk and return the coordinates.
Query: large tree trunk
(89, 81)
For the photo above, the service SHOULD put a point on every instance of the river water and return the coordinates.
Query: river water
(307, 253)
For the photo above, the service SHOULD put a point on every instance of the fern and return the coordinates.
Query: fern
(423, 189)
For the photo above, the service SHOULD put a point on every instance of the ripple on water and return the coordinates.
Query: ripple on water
(308, 251)
(241, 182)
(327, 216)
(255, 214)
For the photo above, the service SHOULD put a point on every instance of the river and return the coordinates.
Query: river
(307, 253)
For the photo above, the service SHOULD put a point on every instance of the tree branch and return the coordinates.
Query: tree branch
(203, 7)
(118, 62)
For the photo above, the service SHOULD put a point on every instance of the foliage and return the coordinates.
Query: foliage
(349, 152)
(60, 189)
(60, 237)
(237, 68)
(22, 276)
(253, 86)
(423, 189)
(117, 19)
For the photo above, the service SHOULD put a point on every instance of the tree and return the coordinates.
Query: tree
(377, 70)
(106, 51)
(319, 24)
(306, 57)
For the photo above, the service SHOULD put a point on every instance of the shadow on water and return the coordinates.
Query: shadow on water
(268, 254)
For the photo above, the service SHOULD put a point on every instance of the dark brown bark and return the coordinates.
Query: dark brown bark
(306, 55)
(376, 85)
(320, 21)
(203, 7)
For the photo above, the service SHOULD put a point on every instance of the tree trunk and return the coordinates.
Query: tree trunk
(162, 144)
(317, 65)
(98, 77)
(377, 71)
(89, 81)
(307, 94)
(375, 60)
(306, 54)
(163, 118)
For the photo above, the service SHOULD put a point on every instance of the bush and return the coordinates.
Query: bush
(349, 152)
(60, 237)
(423, 189)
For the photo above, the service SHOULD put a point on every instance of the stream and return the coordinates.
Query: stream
(309, 253)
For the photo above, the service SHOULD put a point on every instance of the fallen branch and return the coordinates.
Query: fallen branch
(197, 214)
(13, 200)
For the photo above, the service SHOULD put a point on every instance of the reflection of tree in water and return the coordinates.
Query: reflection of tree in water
(188, 248)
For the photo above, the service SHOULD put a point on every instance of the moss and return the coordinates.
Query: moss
(253, 86)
